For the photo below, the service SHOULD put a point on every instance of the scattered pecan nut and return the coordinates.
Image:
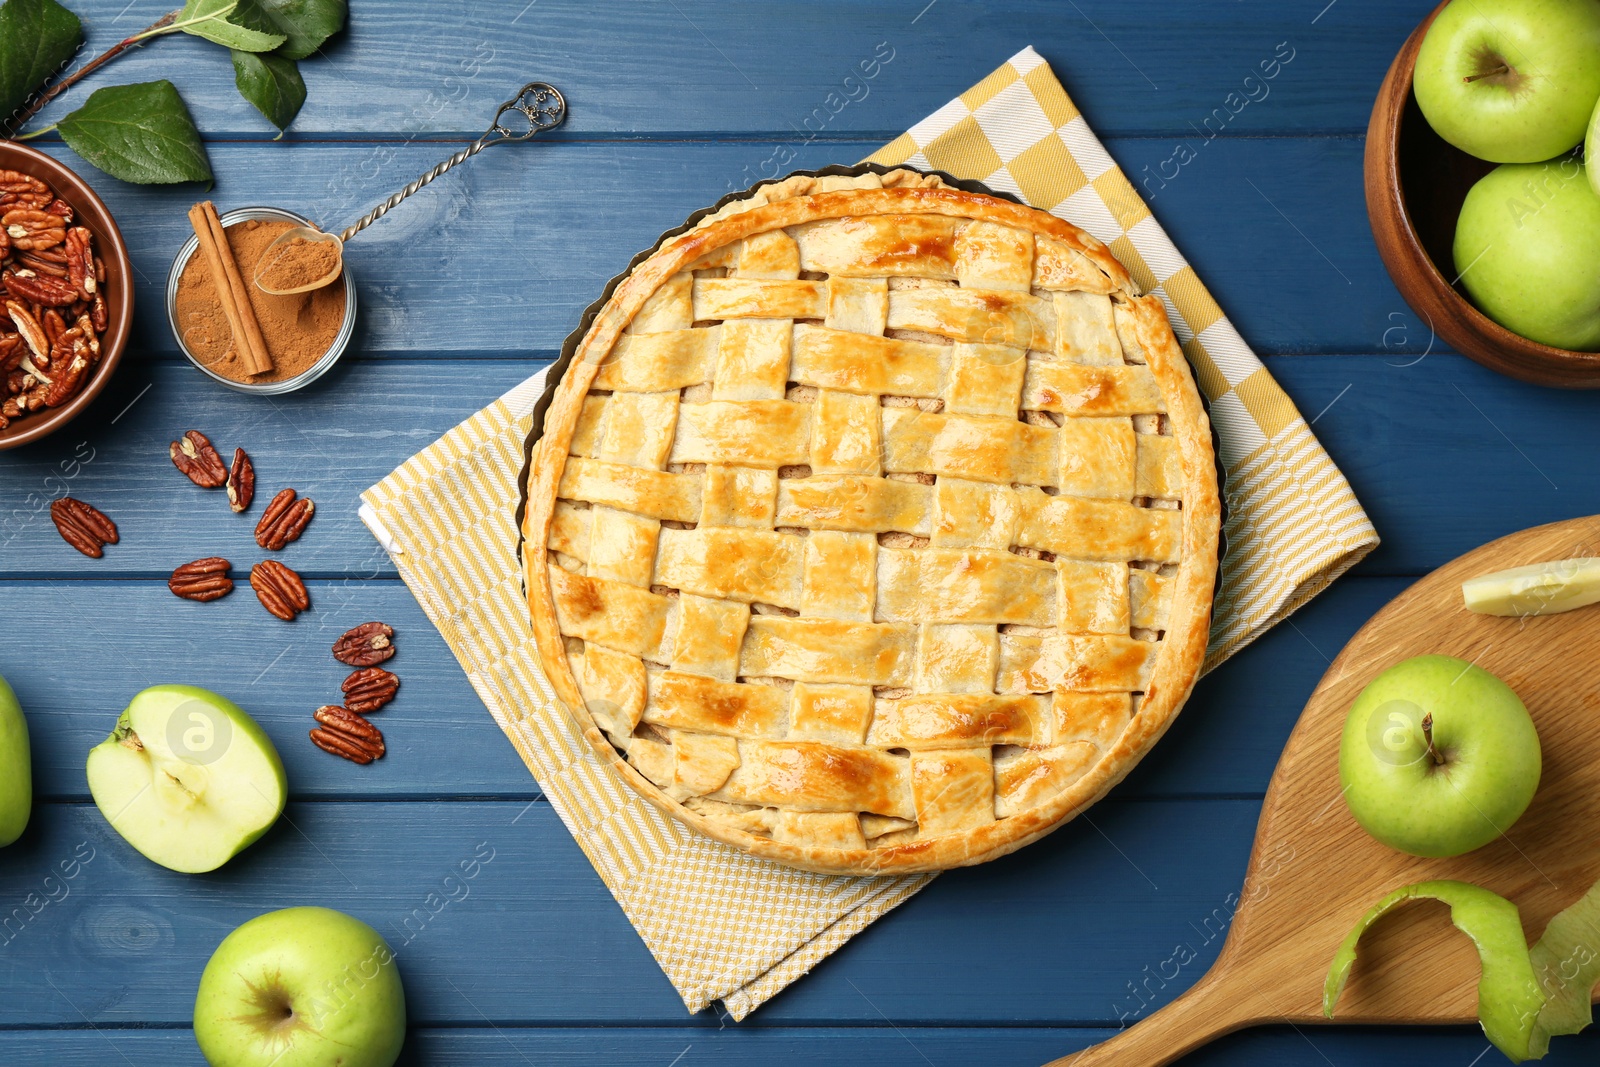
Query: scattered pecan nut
(284, 519)
(279, 589)
(344, 733)
(366, 645)
(369, 689)
(241, 481)
(196, 457)
(202, 580)
(82, 526)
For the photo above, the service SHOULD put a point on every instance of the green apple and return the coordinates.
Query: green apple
(1527, 247)
(302, 987)
(16, 768)
(1510, 81)
(187, 778)
(1438, 757)
(1591, 145)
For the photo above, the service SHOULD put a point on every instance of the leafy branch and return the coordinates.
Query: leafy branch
(144, 133)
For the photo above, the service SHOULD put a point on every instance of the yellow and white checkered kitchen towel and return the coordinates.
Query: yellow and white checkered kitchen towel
(725, 926)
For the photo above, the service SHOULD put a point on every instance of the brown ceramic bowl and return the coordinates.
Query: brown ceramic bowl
(108, 245)
(1414, 233)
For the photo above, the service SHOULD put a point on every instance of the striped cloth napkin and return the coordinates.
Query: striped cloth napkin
(727, 927)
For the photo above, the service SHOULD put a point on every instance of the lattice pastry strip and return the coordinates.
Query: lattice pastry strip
(868, 523)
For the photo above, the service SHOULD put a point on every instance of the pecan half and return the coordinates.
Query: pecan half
(28, 326)
(196, 457)
(368, 690)
(61, 209)
(36, 262)
(31, 230)
(241, 481)
(202, 580)
(69, 361)
(344, 733)
(99, 314)
(279, 589)
(82, 526)
(19, 188)
(80, 261)
(284, 520)
(36, 288)
(366, 645)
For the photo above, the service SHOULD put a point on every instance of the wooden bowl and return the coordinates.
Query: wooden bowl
(1414, 234)
(90, 212)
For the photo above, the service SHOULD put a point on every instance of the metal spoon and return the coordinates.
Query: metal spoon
(541, 107)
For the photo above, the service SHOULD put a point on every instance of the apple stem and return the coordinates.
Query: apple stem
(1497, 70)
(1427, 735)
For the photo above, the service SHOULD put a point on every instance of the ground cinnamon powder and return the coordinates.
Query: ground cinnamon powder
(299, 329)
(299, 262)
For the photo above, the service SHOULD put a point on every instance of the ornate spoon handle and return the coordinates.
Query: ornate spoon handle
(541, 107)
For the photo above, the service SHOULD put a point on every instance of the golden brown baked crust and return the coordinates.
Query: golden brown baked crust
(796, 580)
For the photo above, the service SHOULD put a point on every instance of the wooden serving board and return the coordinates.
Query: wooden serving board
(1314, 871)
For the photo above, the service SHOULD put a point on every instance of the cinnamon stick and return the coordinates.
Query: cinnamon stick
(231, 291)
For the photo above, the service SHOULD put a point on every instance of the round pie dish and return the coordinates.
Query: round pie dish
(873, 527)
(92, 212)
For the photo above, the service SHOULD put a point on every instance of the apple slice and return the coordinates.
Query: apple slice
(1537, 589)
(187, 778)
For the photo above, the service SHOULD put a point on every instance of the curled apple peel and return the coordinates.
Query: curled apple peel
(1509, 997)
(1537, 589)
(1526, 995)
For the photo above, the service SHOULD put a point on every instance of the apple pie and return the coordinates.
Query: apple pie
(873, 525)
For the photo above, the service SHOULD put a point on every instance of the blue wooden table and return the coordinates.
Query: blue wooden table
(466, 290)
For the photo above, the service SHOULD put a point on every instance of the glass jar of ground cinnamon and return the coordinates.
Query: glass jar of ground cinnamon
(305, 333)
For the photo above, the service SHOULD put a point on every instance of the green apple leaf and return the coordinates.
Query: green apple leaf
(1509, 998)
(139, 133)
(272, 83)
(36, 38)
(307, 23)
(231, 23)
(1566, 961)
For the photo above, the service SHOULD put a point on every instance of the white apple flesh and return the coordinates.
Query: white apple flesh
(1438, 757)
(1510, 81)
(1537, 589)
(1527, 247)
(187, 778)
(16, 768)
(302, 987)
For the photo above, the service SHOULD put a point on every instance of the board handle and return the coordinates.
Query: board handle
(1213, 1006)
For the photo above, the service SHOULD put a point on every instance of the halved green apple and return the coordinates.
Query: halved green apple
(187, 778)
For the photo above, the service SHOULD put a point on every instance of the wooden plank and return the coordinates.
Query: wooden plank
(886, 1044)
(443, 742)
(501, 256)
(534, 938)
(1425, 446)
(1133, 69)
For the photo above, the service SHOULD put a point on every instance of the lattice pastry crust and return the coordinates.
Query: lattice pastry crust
(874, 525)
